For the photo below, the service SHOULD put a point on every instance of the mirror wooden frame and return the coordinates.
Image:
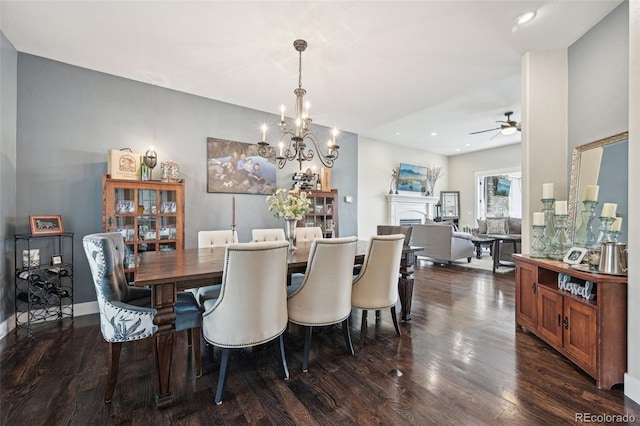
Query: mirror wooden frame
(575, 173)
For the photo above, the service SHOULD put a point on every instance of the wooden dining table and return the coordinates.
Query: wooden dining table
(168, 272)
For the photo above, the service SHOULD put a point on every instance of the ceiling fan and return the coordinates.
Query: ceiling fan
(507, 127)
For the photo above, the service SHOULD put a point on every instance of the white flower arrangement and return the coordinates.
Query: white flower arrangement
(433, 174)
(291, 204)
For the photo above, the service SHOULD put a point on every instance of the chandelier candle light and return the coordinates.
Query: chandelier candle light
(295, 148)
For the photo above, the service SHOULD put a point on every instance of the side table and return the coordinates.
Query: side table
(479, 241)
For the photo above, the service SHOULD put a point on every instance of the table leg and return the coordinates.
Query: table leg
(405, 285)
(496, 255)
(478, 250)
(163, 298)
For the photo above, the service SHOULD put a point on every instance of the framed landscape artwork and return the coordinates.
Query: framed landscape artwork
(412, 178)
(236, 167)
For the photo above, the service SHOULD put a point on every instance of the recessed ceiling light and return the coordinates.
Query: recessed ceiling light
(434, 134)
(397, 133)
(457, 149)
(525, 17)
(467, 144)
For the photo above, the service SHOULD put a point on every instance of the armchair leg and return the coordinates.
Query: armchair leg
(222, 378)
(363, 328)
(281, 356)
(114, 364)
(347, 336)
(195, 337)
(307, 348)
(395, 320)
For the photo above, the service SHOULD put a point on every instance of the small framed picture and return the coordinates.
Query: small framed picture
(31, 258)
(575, 255)
(43, 225)
(56, 259)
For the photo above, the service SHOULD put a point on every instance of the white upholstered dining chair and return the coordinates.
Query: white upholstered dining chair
(308, 233)
(252, 307)
(125, 311)
(217, 238)
(376, 287)
(272, 234)
(324, 296)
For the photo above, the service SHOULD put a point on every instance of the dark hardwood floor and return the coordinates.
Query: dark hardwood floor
(461, 360)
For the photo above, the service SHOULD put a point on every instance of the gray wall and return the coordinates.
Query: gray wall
(599, 102)
(462, 170)
(599, 80)
(68, 117)
(8, 100)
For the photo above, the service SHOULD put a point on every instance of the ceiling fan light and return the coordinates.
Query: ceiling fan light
(508, 130)
(525, 17)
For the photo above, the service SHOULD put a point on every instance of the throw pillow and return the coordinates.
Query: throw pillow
(515, 226)
(496, 226)
(482, 226)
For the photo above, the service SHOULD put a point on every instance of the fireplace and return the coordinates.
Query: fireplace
(409, 209)
(409, 222)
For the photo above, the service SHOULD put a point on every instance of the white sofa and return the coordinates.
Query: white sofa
(441, 242)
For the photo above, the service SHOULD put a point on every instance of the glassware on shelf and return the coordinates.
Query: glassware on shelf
(561, 241)
(538, 245)
(605, 229)
(549, 231)
(584, 235)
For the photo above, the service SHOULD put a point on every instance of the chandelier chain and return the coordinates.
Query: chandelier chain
(300, 70)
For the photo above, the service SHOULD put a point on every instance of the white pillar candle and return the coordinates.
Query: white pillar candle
(609, 210)
(592, 193)
(617, 224)
(547, 191)
(561, 207)
(538, 219)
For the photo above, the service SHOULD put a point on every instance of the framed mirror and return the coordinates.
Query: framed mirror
(450, 204)
(604, 163)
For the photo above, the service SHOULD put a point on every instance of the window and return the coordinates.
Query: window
(499, 194)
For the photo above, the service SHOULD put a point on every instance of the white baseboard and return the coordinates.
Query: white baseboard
(79, 309)
(632, 387)
(7, 326)
(86, 308)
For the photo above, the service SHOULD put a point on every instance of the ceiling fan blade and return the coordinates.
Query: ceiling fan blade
(494, 136)
(484, 131)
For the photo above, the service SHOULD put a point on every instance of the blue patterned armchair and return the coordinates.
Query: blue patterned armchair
(125, 312)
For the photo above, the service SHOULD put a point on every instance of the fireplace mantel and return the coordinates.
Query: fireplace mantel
(409, 207)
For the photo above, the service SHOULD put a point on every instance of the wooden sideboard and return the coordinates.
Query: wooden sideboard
(591, 333)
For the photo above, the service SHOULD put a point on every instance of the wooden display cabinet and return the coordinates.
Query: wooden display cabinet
(591, 333)
(323, 212)
(148, 214)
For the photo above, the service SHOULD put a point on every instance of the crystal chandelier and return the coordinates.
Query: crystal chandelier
(295, 147)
